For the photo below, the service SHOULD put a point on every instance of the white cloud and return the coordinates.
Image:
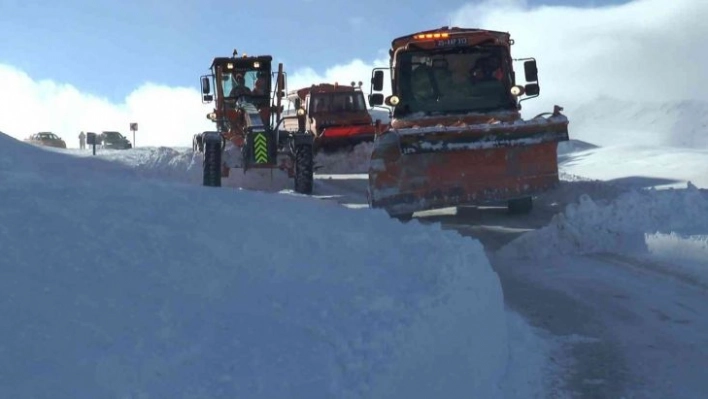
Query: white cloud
(641, 50)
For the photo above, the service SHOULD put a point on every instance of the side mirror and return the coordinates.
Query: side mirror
(377, 80)
(376, 99)
(208, 98)
(206, 87)
(281, 82)
(532, 89)
(530, 71)
(298, 103)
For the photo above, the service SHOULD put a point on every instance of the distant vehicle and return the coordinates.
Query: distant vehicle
(114, 140)
(47, 139)
(338, 115)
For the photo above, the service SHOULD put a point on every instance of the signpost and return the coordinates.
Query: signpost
(134, 128)
(91, 140)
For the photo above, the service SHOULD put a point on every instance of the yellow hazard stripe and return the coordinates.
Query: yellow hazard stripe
(260, 148)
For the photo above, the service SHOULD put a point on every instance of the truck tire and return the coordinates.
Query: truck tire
(212, 160)
(304, 170)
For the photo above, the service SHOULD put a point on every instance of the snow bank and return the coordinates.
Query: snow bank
(356, 161)
(687, 253)
(19, 160)
(183, 165)
(114, 288)
(572, 187)
(169, 164)
(621, 225)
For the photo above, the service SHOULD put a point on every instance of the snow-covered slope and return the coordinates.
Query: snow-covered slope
(115, 288)
(610, 122)
(640, 166)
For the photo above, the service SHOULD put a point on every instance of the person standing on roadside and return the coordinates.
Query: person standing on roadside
(82, 140)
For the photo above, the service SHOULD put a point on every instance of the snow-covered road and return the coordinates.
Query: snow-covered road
(622, 329)
(630, 332)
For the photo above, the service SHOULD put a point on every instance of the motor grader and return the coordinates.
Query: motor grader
(456, 135)
(337, 115)
(248, 118)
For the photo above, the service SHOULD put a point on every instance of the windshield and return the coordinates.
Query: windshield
(456, 80)
(239, 82)
(112, 135)
(338, 102)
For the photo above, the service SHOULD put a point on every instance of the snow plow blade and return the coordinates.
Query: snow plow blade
(417, 169)
(339, 138)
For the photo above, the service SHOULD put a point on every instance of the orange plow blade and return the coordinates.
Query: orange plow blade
(349, 131)
(337, 137)
(417, 169)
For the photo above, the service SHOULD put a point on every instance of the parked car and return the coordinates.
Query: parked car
(114, 140)
(48, 139)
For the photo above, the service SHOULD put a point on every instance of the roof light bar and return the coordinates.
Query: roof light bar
(431, 36)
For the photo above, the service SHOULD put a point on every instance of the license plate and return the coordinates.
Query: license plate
(455, 41)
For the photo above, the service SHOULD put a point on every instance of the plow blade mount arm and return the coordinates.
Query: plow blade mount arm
(417, 169)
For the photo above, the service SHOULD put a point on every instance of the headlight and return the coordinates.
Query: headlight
(517, 90)
(394, 100)
(211, 116)
(301, 112)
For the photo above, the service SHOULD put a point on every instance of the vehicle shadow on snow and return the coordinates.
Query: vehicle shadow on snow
(639, 182)
(495, 227)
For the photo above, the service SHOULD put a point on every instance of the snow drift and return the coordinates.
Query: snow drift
(636, 222)
(183, 165)
(117, 287)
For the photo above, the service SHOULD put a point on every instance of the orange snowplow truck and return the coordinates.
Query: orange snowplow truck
(456, 135)
(337, 115)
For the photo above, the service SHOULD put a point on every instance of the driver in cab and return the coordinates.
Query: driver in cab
(239, 88)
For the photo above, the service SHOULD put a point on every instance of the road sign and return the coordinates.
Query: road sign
(91, 139)
(133, 128)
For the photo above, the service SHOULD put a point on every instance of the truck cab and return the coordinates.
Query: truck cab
(338, 115)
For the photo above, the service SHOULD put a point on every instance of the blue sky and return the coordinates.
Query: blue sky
(108, 47)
